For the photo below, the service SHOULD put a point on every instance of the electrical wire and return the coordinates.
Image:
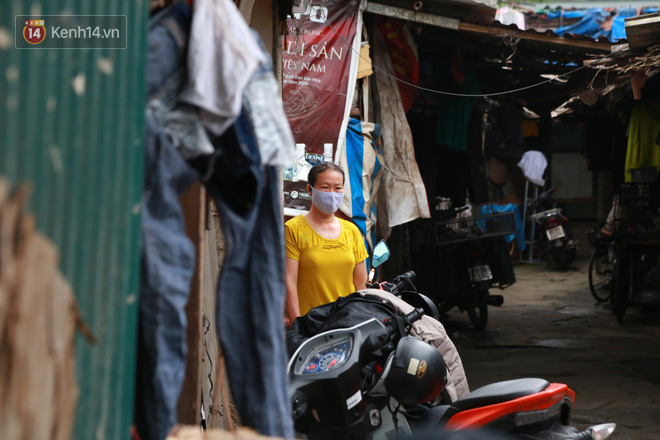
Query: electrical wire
(481, 95)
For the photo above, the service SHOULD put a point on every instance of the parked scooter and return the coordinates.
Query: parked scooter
(460, 258)
(373, 381)
(556, 242)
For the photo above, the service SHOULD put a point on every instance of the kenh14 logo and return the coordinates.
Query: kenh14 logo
(34, 31)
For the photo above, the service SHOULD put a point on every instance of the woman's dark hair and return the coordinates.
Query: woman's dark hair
(321, 168)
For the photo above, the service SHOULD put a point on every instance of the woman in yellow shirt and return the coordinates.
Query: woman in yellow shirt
(325, 255)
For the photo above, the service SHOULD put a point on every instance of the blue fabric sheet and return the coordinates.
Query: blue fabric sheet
(360, 149)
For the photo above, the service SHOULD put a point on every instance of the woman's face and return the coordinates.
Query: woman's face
(330, 181)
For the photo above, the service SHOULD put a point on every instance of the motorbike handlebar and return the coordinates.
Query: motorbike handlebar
(393, 326)
(543, 196)
(400, 281)
(413, 316)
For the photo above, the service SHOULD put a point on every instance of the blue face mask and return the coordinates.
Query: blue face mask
(326, 202)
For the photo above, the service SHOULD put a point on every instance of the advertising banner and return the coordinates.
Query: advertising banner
(317, 58)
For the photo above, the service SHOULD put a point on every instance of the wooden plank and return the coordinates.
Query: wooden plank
(642, 31)
(224, 405)
(414, 16)
(366, 95)
(189, 405)
(210, 343)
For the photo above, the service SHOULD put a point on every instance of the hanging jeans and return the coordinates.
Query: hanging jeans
(167, 265)
(167, 254)
(251, 289)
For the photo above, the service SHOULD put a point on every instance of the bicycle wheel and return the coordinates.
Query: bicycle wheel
(600, 274)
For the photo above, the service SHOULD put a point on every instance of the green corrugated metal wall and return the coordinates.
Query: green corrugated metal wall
(83, 153)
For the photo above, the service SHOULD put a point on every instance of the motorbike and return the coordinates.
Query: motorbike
(635, 248)
(461, 258)
(555, 241)
(373, 381)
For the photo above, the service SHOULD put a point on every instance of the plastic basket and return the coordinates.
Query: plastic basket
(482, 227)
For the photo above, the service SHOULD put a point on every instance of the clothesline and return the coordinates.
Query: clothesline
(441, 92)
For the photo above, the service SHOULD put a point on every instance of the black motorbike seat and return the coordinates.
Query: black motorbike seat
(499, 392)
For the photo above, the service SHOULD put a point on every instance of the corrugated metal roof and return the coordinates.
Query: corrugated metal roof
(578, 39)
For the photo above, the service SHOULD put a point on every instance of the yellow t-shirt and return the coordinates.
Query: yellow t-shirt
(325, 270)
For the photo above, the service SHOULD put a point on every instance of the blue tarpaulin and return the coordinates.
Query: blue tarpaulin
(593, 21)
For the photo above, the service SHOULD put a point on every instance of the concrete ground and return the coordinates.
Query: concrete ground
(551, 327)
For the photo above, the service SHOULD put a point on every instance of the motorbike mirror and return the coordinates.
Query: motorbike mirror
(381, 254)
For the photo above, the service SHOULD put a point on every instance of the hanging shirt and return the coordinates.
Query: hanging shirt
(325, 270)
(222, 57)
(454, 113)
(642, 151)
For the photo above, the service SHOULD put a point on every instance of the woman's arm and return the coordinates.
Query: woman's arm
(360, 276)
(292, 307)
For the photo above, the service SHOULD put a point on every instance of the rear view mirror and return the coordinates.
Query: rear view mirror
(381, 254)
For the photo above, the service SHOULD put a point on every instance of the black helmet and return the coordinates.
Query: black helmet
(418, 372)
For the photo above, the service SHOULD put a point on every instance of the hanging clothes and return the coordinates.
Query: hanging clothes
(477, 176)
(251, 292)
(264, 106)
(166, 60)
(167, 254)
(642, 150)
(403, 56)
(365, 170)
(402, 197)
(222, 57)
(250, 307)
(227, 92)
(454, 111)
(167, 265)
(533, 164)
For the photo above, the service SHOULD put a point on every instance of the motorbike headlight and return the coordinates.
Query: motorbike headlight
(601, 432)
(326, 357)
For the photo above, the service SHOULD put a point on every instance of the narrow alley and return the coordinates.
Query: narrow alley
(551, 327)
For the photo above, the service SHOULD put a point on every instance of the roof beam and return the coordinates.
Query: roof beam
(414, 16)
(454, 24)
